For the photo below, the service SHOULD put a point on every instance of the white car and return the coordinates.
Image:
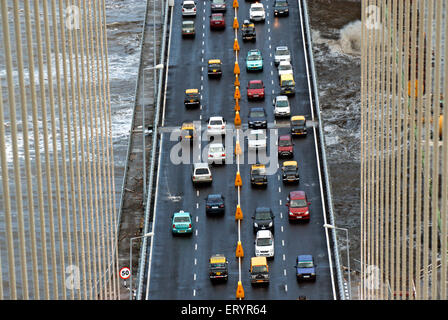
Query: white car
(216, 126)
(188, 8)
(256, 139)
(256, 12)
(264, 244)
(201, 173)
(282, 107)
(282, 54)
(284, 67)
(216, 153)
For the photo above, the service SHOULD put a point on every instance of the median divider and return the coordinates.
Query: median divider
(236, 25)
(237, 120)
(239, 253)
(238, 213)
(238, 181)
(236, 69)
(240, 291)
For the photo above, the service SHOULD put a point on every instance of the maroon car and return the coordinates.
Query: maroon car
(298, 206)
(255, 89)
(285, 146)
(217, 21)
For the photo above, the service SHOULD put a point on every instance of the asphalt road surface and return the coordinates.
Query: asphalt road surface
(179, 266)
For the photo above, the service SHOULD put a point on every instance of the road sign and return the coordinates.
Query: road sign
(125, 273)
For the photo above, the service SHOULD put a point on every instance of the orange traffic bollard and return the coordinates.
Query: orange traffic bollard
(237, 120)
(239, 250)
(236, 69)
(236, 46)
(237, 94)
(237, 81)
(237, 105)
(238, 180)
(235, 4)
(238, 213)
(240, 291)
(238, 150)
(235, 23)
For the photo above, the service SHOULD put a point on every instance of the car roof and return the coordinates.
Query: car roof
(216, 145)
(297, 195)
(200, 165)
(181, 213)
(258, 166)
(214, 195)
(214, 61)
(256, 4)
(284, 62)
(290, 163)
(287, 76)
(285, 137)
(281, 98)
(257, 131)
(297, 118)
(255, 81)
(306, 257)
(218, 258)
(264, 234)
(191, 91)
(258, 261)
(187, 22)
(281, 48)
(262, 209)
(189, 2)
(216, 118)
(254, 51)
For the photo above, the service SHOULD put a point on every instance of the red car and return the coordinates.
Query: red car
(298, 206)
(255, 89)
(285, 146)
(217, 21)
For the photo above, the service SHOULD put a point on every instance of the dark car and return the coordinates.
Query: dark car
(285, 146)
(257, 118)
(248, 31)
(290, 172)
(298, 206)
(298, 126)
(263, 219)
(218, 268)
(218, 6)
(305, 268)
(217, 21)
(255, 89)
(214, 204)
(281, 8)
(258, 175)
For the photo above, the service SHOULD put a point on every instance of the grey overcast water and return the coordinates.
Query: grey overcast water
(335, 29)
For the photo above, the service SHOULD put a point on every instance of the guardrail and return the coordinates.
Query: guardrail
(143, 250)
(327, 186)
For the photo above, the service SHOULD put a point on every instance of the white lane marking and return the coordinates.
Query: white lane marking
(270, 47)
(195, 246)
(284, 258)
(196, 232)
(272, 81)
(281, 215)
(284, 272)
(280, 201)
(196, 261)
(202, 87)
(278, 178)
(268, 20)
(202, 60)
(282, 228)
(203, 51)
(194, 292)
(283, 243)
(270, 55)
(197, 193)
(286, 287)
(194, 277)
(269, 29)
(197, 218)
(200, 117)
(272, 73)
(272, 91)
(202, 42)
(279, 189)
(197, 207)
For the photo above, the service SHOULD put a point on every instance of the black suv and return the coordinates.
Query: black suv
(214, 203)
(257, 118)
(281, 8)
(263, 219)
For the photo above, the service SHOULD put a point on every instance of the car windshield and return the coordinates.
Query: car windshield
(290, 169)
(214, 199)
(305, 264)
(192, 95)
(188, 5)
(259, 269)
(255, 85)
(181, 219)
(256, 9)
(218, 2)
(188, 23)
(264, 215)
(257, 114)
(202, 171)
(298, 122)
(288, 83)
(253, 57)
(214, 65)
(281, 3)
(216, 149)
(218, 266)
(259, 172)
(282, 103)
(284, 143)
(298, 203)
(282, 52)
(217, 17)
(215, 122)
(264, 242)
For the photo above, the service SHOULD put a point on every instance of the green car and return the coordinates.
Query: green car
(182, 223)
(254, 60)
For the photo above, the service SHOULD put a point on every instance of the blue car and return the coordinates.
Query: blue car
(182, 223)
(254, 60)
(305, 268)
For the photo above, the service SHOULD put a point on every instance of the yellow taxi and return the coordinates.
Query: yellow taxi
(192, 98)
(188, 131)
(214, 68)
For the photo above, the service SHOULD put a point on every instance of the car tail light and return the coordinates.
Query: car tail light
(174, 226)
(194, 9)
(209, 127)
(189, 226)
(223, 127)
(221, 206)
(223, 155)
(207, 207)
(210, 156)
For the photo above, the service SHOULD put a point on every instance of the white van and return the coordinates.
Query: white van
(264, 244)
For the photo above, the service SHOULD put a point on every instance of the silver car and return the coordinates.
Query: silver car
(282, 54)
(188, 8)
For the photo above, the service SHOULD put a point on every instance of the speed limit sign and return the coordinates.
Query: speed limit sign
(125, 273)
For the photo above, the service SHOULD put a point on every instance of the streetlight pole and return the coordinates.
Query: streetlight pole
(149, 234)
(329, 226)
(156, 67)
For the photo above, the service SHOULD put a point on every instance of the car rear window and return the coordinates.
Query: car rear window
(216, 149)
(215, 122)
(257, 114)
(282, 52)
(217, 18)
(282, 103)
(305, 264)
(202, 171)
(181, 219)
(298, 203)
(264, 242)
(256, 85)
(263, 215)
(256, 9)
(284, 143)
(188, 5)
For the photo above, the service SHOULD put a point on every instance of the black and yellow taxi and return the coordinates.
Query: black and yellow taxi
(258, 175)
(214, 68)
(298, 126)
(290, 172)
(192, 98)
(187, 132)
(218, 267)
